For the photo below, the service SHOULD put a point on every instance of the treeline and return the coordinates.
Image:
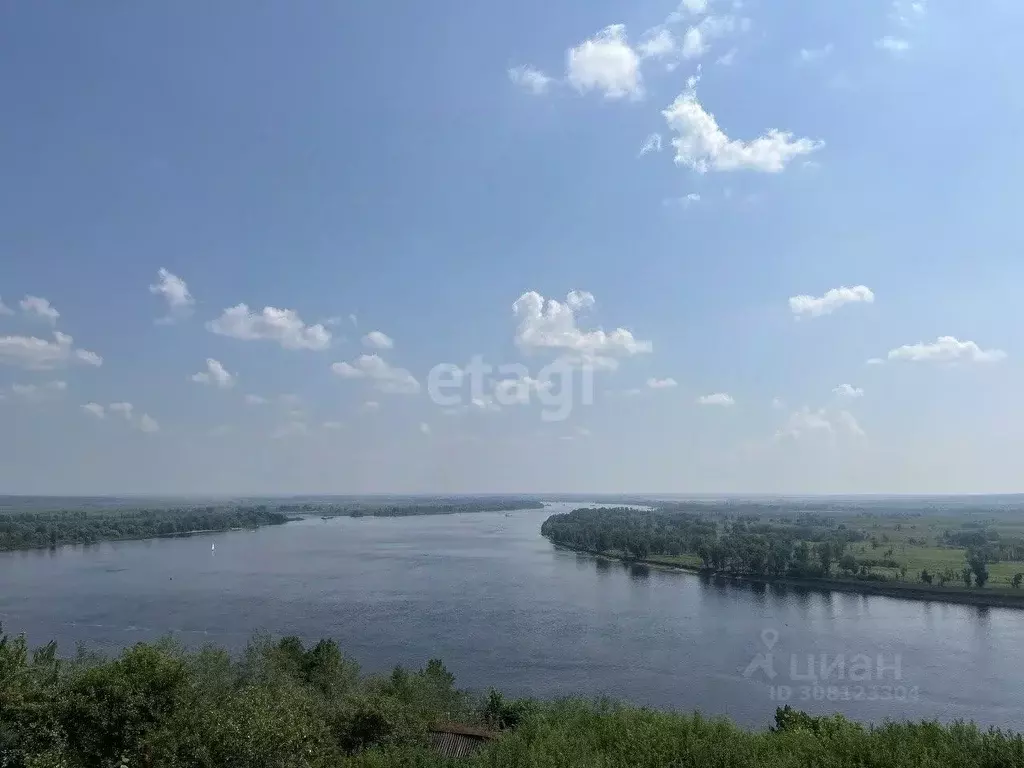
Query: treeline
(411, 508)
(31, 530)
(801, 548)
(285, 704)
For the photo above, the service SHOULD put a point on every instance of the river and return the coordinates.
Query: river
(504, 608)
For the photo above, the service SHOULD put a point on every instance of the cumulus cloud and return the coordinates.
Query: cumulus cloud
(378, 340)
(661, 383)
(95, 409)
(946, 349)
(807, 422)
(816, 306)
(701, 145)
(694, 45)
(530, 79)
(283, 326)
(38, 354)
(606, 63)
(147, 423)
(125, 409)
(39, 308)
(553, 325)
(848, 390)
(175, 292)
(143, 422)
(215, 374)
(719, 398)
(385, 378)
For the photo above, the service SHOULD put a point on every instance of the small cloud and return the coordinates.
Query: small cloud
(370, 406)
(95, 409)
(661, 383)
(809, 55)
(176, 294)
(946, 349)
(214, 374)
(40, 308)
(651, 144)
(530, 79)
(832, 300)
(727, 59)
(894, 45)
(378, 340)
(719, 398)
(148, 424)
(847, 390)
(255, 400)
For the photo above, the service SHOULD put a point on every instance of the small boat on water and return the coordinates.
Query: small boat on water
(213, 547)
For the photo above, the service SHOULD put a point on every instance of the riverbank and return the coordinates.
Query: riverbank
(990, 598)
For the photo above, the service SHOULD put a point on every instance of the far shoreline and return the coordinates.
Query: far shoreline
(919, 593)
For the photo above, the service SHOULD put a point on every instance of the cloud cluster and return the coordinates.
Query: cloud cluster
(282, 326)
(946, 349)
(553, 325)
(816, 306)
(37, 354)
(215, 374)
(175, 292)
(143, 422)
(385, 378)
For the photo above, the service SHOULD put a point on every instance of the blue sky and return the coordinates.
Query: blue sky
(420, 170)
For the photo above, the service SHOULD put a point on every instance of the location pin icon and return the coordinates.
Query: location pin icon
(769, 637)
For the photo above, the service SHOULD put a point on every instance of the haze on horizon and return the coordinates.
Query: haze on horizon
(239, 251)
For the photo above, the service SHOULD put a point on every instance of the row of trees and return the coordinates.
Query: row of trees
(737, 547)
(440, 506)
(31, 530)
(286, 704)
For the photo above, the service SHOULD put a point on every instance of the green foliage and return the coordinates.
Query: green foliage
(282, 704)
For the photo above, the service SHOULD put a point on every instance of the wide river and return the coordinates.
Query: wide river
(504, 608)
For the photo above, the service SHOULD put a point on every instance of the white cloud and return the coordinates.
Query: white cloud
(530, 79)
(255, 400)
(378, 340)
(661, 383)
(176, 294)
(719, 398)
(848, 390)
(370, 406)
(424, 428)
(651, 144)
(702, 146)
(876, 361)
(39, 354)
(809, 55)
(4, 309)
(946, 349)
(333, 425)
(660, 44)
(95, 409)
(40, 307)
(552, 325)
(694, 45)
(693, 7)
(831, 301)
(125, 409)
(148, 424)
(385, 378)
(283, 326)
(892, 44)
(215, 374)
(606, 63)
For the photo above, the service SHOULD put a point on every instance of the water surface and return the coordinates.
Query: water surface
(504, 608)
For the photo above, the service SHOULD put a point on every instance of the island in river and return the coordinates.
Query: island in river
(953, 550)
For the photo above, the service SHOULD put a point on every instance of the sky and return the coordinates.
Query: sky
(706, 246)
